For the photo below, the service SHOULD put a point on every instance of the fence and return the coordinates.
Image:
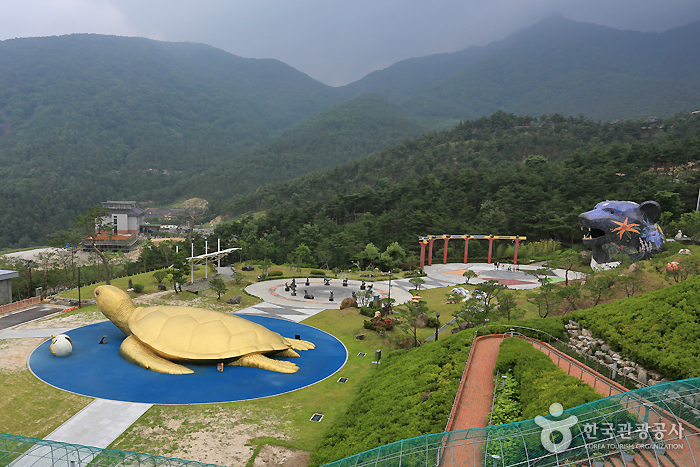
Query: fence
(651, 426)
(17, 305)
(18, 451)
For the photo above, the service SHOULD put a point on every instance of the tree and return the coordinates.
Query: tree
(303, 257)
(71, 240)
(469, 274)
(488, 291)
(364, 297)
(542, 275)
(545, 298)
(416, 281)
(92, 224)
(409, 314)
(238, 277)
(369, 254)
(178, 270)
(507, 307)
(473, 310)
(159, 275)
(599, 285)
(393, 256)
(218, 285)
(571, 294)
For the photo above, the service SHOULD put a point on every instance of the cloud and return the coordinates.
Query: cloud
(334, 41)
(32, 18)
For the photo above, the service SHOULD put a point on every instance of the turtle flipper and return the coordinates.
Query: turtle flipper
(256, 360)
(132, 350)
(283, 354)
(298, 344)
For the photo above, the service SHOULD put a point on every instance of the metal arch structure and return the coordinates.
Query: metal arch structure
(206, 257)
(430, 239)
(19, 451)
(655, 426)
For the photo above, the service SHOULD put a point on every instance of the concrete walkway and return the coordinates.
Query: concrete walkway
(99, 423)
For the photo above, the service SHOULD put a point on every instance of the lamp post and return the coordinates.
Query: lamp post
(437, 325)
(29, 287)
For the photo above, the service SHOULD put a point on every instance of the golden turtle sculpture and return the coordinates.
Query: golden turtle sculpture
(159, 336)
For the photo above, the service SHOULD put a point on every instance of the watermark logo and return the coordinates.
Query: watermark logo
(549, 427)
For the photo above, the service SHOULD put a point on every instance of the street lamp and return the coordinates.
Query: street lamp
(437, 325)
(29, 288)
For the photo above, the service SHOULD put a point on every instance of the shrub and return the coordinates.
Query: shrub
(411, 395)
(317, 272)
(433, 322)
(367, 311)
(541, 381)
(660, 330)
(138, 288)
(275, 273)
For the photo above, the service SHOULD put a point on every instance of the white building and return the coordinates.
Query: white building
(125, 216)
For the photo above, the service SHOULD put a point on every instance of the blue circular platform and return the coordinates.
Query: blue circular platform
(99, 371)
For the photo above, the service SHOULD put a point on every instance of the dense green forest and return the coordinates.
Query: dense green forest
(499, 175)
(340, 134)
(89, 118)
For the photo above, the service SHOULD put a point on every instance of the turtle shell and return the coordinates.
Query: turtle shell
(189, 333)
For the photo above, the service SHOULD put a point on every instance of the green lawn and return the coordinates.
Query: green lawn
(327, 397)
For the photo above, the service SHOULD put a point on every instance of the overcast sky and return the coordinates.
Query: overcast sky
(333, 41)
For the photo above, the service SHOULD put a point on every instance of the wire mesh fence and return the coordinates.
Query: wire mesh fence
(652, 426)
(19, 451)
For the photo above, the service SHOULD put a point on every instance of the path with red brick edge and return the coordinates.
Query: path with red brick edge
(476, 391)
(472, 403)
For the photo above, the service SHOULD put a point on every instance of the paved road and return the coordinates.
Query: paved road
(25, 315)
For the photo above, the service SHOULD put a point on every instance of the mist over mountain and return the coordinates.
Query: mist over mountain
(556, 65)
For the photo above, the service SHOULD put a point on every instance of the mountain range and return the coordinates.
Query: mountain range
(86, 118)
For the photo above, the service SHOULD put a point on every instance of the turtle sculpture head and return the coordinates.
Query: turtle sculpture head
(160, 336)
(116, 305)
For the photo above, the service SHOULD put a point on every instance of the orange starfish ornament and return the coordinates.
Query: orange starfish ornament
(625, 227)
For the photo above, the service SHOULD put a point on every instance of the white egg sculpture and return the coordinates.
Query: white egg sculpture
(61, 345)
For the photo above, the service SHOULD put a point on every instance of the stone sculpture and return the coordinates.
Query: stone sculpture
(160, 336)
(615, 227)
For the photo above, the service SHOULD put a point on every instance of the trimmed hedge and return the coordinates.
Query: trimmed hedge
(275, 273)
(659, 330)
(553, 325)
(542, 383)
(410, 396)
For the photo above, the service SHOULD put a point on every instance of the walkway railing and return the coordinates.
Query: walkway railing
(17, 305)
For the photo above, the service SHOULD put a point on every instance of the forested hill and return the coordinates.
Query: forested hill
(340, 134)
(501, 175)
(555, 66)
(138, 103)
(88, 118)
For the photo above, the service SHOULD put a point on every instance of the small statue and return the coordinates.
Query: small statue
(286, 287)
(362, 286)
(345, 282)
(307, 282)
(330, 299)
(326, 281)
(354, 296)
(369, 287)
(294, 282)
(307, 295)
